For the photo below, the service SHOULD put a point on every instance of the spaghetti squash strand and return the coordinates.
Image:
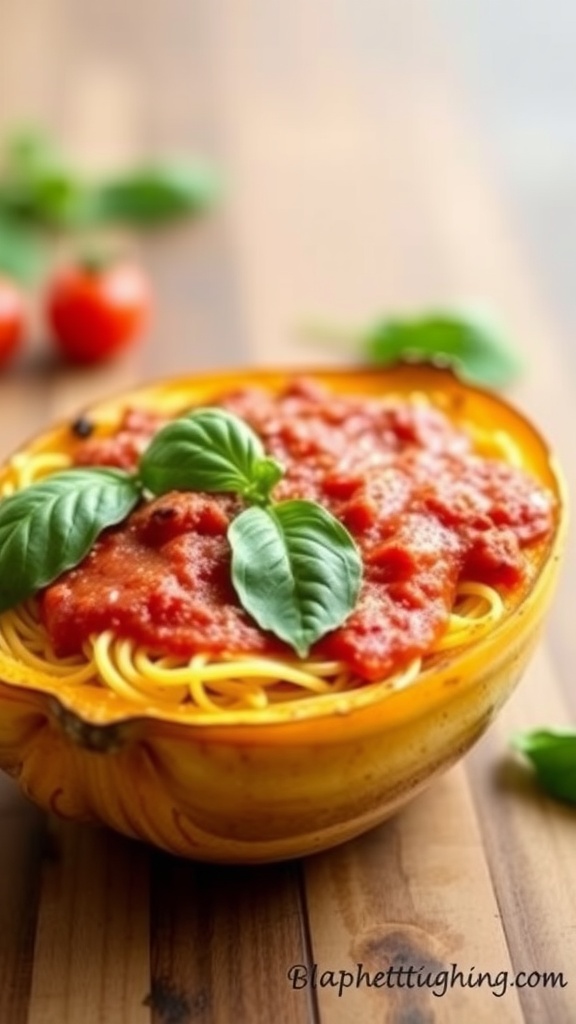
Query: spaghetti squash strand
(231, 683)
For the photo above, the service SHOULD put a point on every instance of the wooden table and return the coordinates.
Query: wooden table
(357, 183)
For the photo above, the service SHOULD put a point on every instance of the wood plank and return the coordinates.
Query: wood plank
(24, 408)
(531, 842)
(32, 72)
(21, 849)
(91, 957)
(414, 893)
(223, 941)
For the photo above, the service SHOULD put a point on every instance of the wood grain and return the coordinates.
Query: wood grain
(223, 942)
(21, 850)
(402, 897)
(91, 956)
(530, 839)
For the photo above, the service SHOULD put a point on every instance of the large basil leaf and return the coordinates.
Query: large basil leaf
(50, 526)
(210, 450)
(296, 570)
(468, 341)
(553, 754)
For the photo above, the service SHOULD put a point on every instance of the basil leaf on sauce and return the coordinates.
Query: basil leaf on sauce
(50, 526)
(296, 570)
(553, 754)
(210, 450)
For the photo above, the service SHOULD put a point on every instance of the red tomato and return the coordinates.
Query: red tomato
(12, 319)
(95, 312)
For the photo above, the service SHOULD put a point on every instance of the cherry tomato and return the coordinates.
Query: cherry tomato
(96, 310)
(12, 319)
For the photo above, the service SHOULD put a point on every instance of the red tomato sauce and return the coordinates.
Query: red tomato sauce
(424, 509)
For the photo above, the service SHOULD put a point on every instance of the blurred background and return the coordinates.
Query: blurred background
(375, 154)
(516, 65)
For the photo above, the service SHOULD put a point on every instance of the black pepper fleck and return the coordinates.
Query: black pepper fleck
(83, 427)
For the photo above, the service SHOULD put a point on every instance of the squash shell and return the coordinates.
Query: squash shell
(260, 789)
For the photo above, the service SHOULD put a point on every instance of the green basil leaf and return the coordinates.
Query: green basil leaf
(266, 473)
(296, 570)
(38, 187)
(553, 754)
(56, 200)
(27, 153)
(22, 251)
(50, 526)
(209, 450)
(469, 342)
(151, 195)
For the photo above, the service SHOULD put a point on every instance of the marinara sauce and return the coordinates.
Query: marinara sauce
(425, 510)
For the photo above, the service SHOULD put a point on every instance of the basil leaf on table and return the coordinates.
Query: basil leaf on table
(296, 570)
(22, 251)
(50, 526)
(57, 200)
(553, 754)
(38, 187)
(210, 450)
(151, 195)
(468, 341)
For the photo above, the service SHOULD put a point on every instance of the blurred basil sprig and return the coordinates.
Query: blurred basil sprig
(468, 341)
(553, 755)
(41, 193)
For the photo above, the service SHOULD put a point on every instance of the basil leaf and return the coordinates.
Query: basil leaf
(27, 153)
(553, 754)
(56, 200)
(209, 450)
(38, 187)
(469, 342)
(151, 195)
(265, 474)
(296, 570)
(50, 526)
(22, 252)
